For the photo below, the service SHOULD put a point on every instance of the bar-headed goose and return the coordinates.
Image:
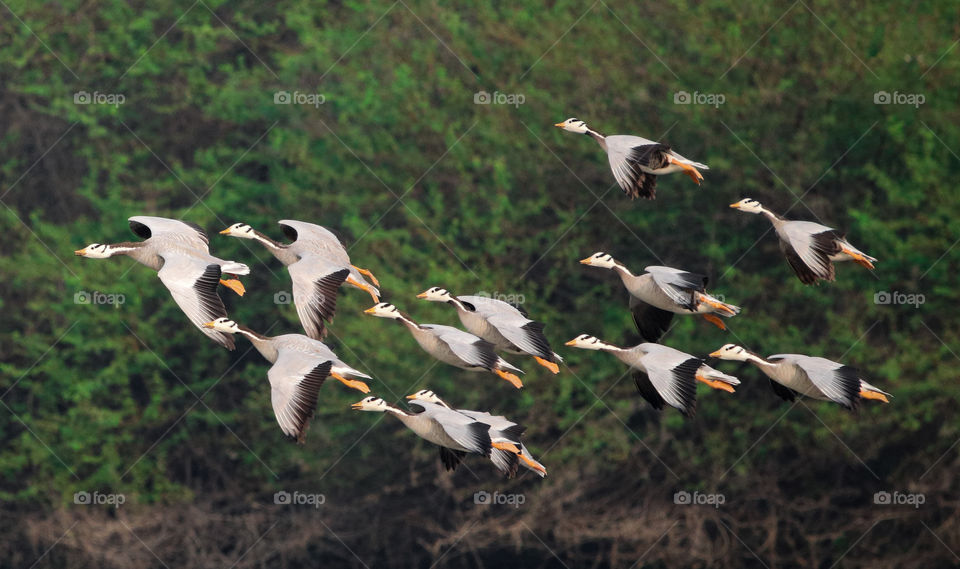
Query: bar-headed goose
(810, 248)
(501, 430)
(636, 162)
(180, 254)
(455, 433)
(663, 374)
(662, 292)
(501, 324)
(819, 378)
(318, 264)
(451, 345)
(300, 366)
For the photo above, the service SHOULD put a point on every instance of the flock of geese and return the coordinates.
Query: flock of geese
(319, 266)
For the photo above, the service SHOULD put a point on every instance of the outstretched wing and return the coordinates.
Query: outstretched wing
(652, 322)
(627, 154)
(316, 283)
(295, 381)
(183, 232)
(193, 285)
(681, 286)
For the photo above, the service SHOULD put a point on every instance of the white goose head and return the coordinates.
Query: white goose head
(436, 294)
(426, 395)
(371, 403)
(588, 342)
(223, 325)
(573, 124)
(748, 205)
(732, 352)
(600, 259)
(242, 230)
(99, 251)
(384, 310)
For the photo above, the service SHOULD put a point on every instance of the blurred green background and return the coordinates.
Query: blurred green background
(428, 188)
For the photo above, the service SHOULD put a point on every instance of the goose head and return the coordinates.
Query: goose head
(426, 395)
(384, 310)
(223, 325)
(371, 403)
(573, 124)
(588, 342)
(748, 205)
(435, 294)
(98, 251)
(600, 259)
(731, 352)
(242, 230)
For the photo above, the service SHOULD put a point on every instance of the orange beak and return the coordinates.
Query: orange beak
(422, 295)
(208, 325)
(735, 205)
(225, 231)
(586, 261)
(571, 342)
(370, 310)
(357, 406)
(414, 396)
(715, 354)
(80, 252)
(559, 124)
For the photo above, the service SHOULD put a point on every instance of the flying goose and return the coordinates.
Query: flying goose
(500, 324)
(451, 345)
(810, 248)
(501, 430)
(455, 433)
(819, 378)
(180, 254)
(663, 374)
(300, 366)
(662, 292)
(318, 264)
(636, 162)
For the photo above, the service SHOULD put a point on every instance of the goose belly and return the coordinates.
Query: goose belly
(648, 291)
(440, 350)
(792, 377)
(668, 169)
(431, 431)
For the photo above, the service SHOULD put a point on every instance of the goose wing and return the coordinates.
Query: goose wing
(672, 374)
(628, 156)
(183, 232)
(681, 286)
(524, 333)
(808, 247)
(837, 382)
(472, 435)
(318, 238)
(473, 350)
(316, 283)
(193, 284)
(295, 381)
(652, 322)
